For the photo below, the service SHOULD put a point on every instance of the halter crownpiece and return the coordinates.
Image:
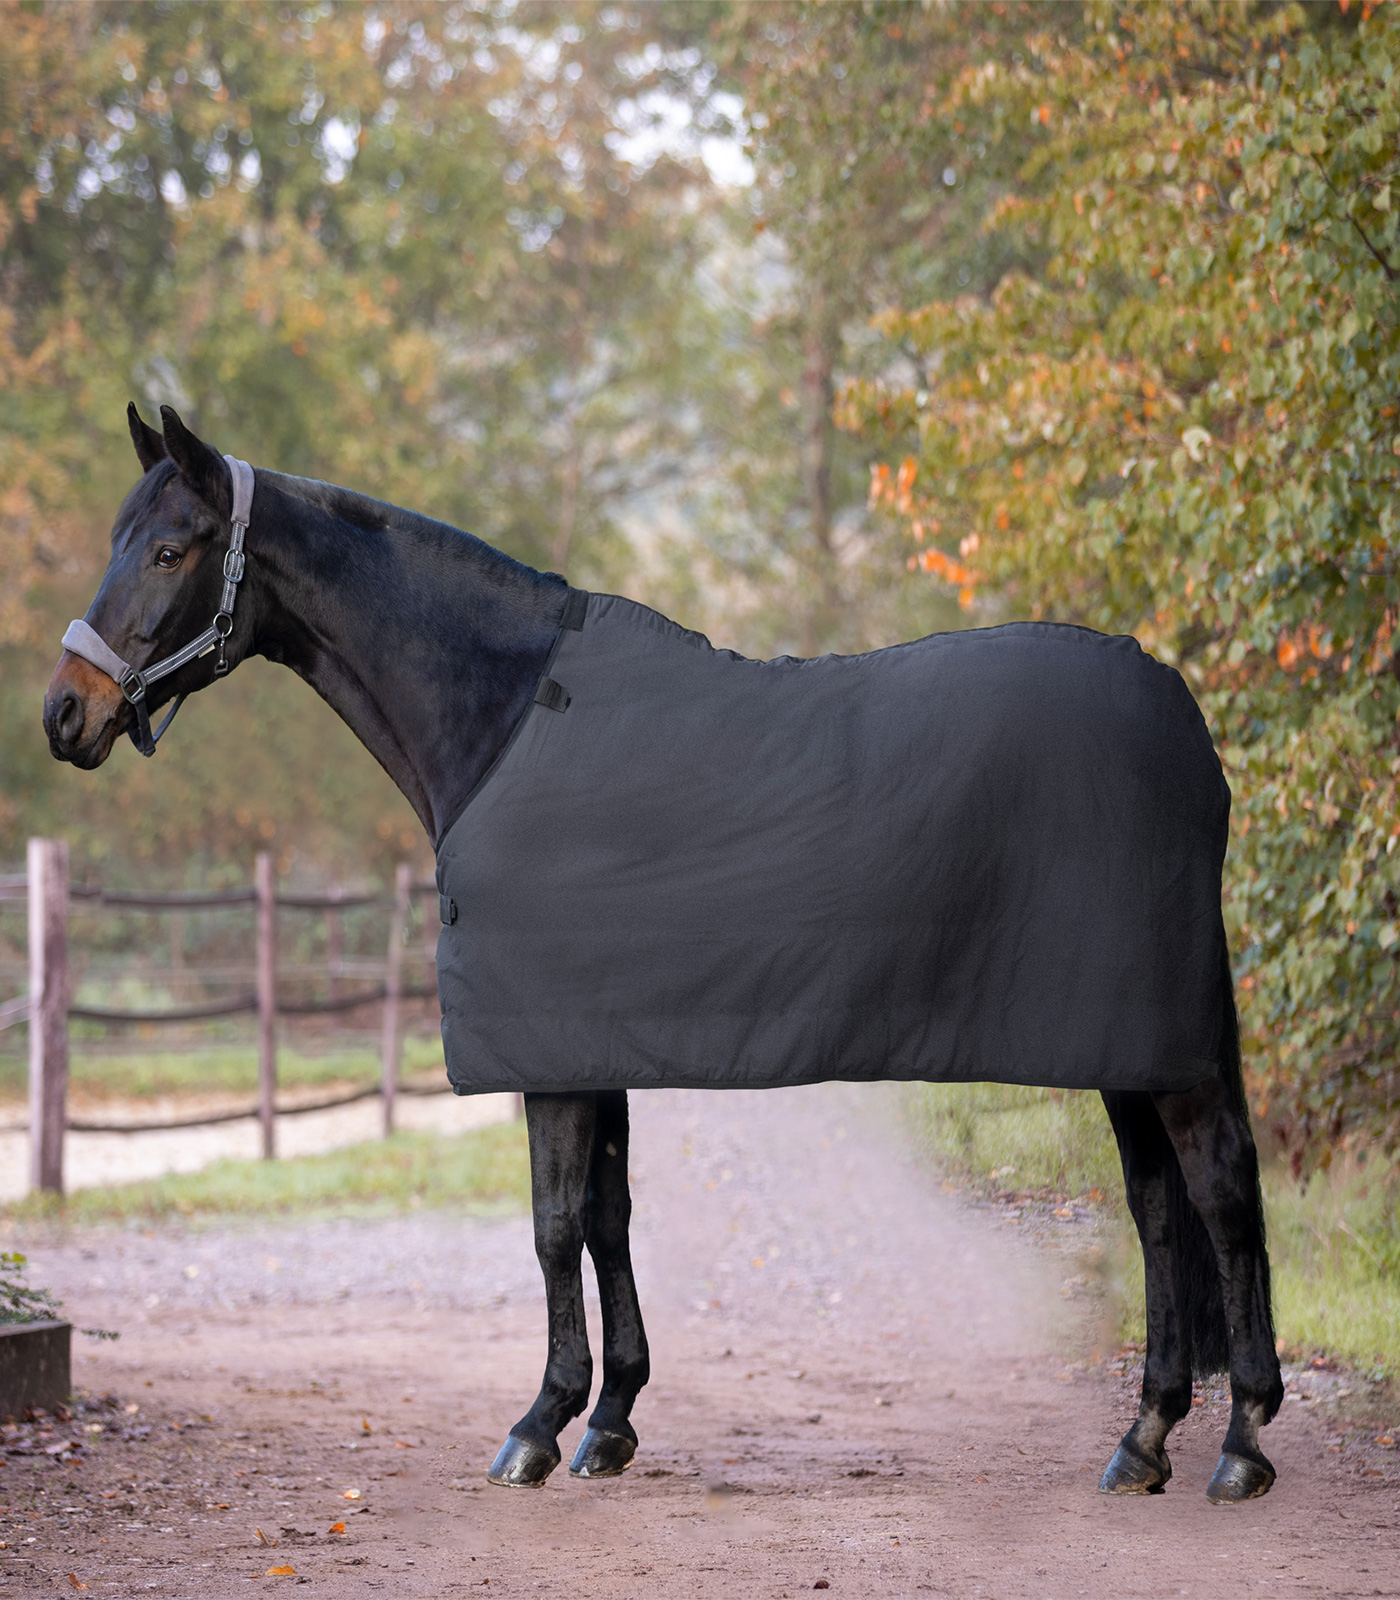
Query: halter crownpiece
(85, 641)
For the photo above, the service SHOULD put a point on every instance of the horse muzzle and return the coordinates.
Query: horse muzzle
(84, 712)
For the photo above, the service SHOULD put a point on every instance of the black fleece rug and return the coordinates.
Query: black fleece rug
(983, 855)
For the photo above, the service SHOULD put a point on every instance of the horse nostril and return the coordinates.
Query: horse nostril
(68, 717)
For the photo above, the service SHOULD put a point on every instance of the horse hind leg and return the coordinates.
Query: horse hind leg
(610, 1442)
(1209, 1130)
(1171, 1235)
(561, 1148)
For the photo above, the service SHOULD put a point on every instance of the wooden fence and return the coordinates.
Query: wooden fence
(48, 1005)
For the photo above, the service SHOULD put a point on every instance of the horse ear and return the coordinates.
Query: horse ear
(202, 468)
(150, 447)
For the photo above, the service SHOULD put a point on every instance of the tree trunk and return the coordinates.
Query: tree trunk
(820, 345)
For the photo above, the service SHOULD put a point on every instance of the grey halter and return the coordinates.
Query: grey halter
(84, 640)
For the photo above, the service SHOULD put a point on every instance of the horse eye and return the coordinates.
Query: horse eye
(167, 556)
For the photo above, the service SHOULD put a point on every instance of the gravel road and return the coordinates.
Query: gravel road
(860, 1382)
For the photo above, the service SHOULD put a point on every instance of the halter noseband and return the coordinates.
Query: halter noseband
(85, 641)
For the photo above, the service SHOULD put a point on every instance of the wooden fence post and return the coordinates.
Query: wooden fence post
(393, 994)
(48, 1011)
(335, 942)
(267, 1003)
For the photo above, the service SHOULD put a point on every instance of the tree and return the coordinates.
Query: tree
(877, 202)
(1185, 427)
(401, 248)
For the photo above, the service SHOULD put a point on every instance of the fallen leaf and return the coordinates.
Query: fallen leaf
(336, 1527)
(402, 1444)
(821, 1583)
(216, 1505)
(263, 1539)
(73, 1579)
(364, 1424)
(281, 1572)
(352, 1494)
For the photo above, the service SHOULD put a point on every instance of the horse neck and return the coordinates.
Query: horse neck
(427, 642)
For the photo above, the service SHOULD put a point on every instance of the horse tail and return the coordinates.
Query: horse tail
(1194, 1267)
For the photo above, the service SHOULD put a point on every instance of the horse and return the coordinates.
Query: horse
(433, 647)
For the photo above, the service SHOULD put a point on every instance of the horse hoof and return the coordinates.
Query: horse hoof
(602, 1455)
(1239, 1478)
(1132, 1471)
(521, 1464)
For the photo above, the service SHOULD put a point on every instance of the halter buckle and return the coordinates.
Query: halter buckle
(233, 566)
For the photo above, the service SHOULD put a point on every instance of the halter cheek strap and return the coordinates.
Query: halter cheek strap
(85, 641)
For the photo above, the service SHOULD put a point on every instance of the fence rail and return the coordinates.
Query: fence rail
(48, 1006)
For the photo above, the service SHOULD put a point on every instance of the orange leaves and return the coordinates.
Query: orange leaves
(336, 1527)
(904, 483)
(897, 494)
(1380, 644)
(281, 1572)
(1310, 641)
(934, 561)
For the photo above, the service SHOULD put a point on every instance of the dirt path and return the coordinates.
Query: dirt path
(858, 1381)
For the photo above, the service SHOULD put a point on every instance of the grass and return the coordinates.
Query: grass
(1334, 1244)
(230, 1069)
(485, 1169)
(1336, 1249)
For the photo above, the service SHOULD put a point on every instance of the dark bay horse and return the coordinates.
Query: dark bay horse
(432, 646)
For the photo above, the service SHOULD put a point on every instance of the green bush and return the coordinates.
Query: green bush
(19, 1302)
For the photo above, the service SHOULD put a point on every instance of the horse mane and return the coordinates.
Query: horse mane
(368, 515)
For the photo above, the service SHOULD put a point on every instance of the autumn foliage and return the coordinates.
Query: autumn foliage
(1184, 425)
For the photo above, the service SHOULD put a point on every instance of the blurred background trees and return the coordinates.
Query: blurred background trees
(817, 325)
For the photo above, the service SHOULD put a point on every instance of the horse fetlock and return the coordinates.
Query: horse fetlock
(1154, 1423)
(612, 1411)
(1273, 1397)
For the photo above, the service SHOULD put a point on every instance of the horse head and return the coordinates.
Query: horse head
(161, 587)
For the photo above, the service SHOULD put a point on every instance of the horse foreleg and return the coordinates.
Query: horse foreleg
(1150, 1172)
(1209, 1129)
(608, 1446)
(561, 1148)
